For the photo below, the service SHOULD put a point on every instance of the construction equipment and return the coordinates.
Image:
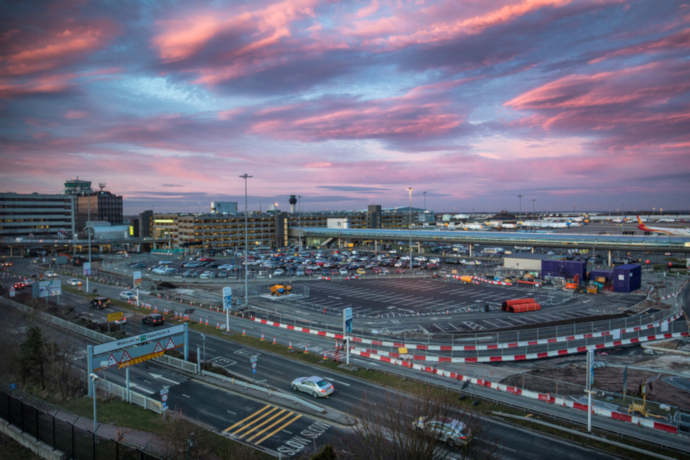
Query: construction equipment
(520, 305)
(642, 408)
(280, 289)
(592, 289)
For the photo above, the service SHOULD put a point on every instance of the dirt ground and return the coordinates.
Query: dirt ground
(609, 379)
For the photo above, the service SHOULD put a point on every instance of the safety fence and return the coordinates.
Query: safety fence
(73, 441)
(668, 425)
(448, 342)
(670, 292)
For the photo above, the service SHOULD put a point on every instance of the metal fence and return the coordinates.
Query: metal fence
(75, 442)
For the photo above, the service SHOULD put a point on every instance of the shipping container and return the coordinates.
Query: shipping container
(627, 278)
(564, 268)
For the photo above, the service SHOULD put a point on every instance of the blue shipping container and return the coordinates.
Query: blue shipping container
(627, 278)
(564, 268)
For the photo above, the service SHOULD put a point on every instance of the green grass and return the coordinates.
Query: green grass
(118, 413)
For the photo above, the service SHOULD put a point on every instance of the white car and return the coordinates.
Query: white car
(50, 274)
(343, 271)
(74, 282)
(165, 262)
(205, 275)
(315, 386)
(279, 272)
(226, 267)
(128, 295)
(392, 251)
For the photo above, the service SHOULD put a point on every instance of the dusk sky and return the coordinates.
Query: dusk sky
(348, 103)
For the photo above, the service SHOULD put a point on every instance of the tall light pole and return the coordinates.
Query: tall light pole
(520, 214)
(534, 223)
(246, 242)
(299, 213)
(425, 201)
(88, 234)
(409, 189)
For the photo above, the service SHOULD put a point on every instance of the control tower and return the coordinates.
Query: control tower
(293, 202)
(77, 186)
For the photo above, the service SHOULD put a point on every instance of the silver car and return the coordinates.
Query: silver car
(315, 386)
(448, 430)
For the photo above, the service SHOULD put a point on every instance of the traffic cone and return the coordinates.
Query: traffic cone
(325, 358)
(262, 336)
(217, 325)
(290, 347)
(306, 351)
(207, 321)
(155, 310)
(243, 333)
(274, 340)
(210, 308)
(200, 321)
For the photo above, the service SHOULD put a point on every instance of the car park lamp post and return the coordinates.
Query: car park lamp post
(245, 176)
(409, 189)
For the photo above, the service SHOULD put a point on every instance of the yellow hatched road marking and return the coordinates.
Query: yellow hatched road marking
(256, 420)
(262, 423)
(276, 430)
(242, 421)
(270, 426)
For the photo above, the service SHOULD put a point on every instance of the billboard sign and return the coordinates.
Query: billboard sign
(137, 278)
(49, 288)
(138, 339)
(227, 298)
(347, 321)
(87, 268)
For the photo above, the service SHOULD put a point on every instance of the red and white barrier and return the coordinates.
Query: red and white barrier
(675, 294)
(531, 394)
(500, 283)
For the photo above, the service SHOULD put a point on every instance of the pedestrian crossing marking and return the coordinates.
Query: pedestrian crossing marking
(263, 420)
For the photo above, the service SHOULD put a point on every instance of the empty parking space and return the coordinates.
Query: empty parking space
(436, 306)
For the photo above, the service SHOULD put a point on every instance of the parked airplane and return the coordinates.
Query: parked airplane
(663, 230)
(473, 226)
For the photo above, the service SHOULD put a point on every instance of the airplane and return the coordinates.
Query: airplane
(666, 220)
(473, 226)
(621, 220)
(663, 230)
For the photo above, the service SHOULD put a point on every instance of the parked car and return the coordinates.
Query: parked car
(165, 262)
(361, 271)
(315, 386)
(74, 282)
(299, 273)
(279, 272)
(100, 303)
(451, 431)
(154, 319)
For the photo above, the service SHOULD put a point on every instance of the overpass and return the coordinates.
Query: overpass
(47, 243)
(638, 243)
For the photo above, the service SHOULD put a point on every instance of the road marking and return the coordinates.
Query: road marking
(245, 419)
(277, 414)
(289, 422)
(233, 413)
(334, 380)
(186, 396)
(141, 388)
(147, 381)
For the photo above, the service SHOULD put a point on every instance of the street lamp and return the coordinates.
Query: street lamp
(246, 242)
(299, 211)
(520, 214)
(534, 223)
(409, 189)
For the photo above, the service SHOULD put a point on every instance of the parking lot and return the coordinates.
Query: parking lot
(448, 307)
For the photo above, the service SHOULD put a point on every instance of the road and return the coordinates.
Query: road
(198, 400)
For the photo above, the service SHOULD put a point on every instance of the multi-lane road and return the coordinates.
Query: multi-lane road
(271, 426)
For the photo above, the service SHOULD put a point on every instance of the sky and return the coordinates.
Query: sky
(579, 104)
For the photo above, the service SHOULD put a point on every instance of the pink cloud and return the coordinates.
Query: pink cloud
(75, 114)
(679, 40)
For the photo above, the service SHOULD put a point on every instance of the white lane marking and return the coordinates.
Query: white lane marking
(141, 388)
(233, 413)
(186, 396)
(334, 380)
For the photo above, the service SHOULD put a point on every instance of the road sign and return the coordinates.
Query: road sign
(347, 321)
(11, 292)
(48, 288)
(112, 361)
(254, 371)
(117, 316)
(87, 268)
(158, 348)
(164, 398)
(137, 278)
(253, 365)
(253, 359)
(165, 391)
(125, 357)
(227, 298)
(138, 339)
(170, 345)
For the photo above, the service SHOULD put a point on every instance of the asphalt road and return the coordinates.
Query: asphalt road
(279, 372)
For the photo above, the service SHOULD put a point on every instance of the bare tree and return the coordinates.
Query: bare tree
(398, 427)
(182, 440)
(61, 368)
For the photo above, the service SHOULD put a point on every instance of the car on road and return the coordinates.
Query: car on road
(206, 259)
(20, 285)
(99, 302)
(139, 265)
(154, 319)
(128, 295)
(9, 264)
(316, 386)
(50, 274)
(448, 430)
(74, 282)
(165, 262)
